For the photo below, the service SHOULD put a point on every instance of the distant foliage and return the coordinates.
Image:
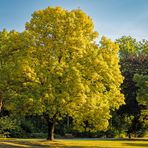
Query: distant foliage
(142, 97)
(130, 47)
(7, 124)
(133, 60)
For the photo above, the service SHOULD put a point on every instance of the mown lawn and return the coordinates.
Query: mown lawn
(75, 143)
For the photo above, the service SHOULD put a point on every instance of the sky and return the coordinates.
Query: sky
(112, 18)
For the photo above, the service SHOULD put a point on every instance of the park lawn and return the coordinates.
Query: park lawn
(73, 143)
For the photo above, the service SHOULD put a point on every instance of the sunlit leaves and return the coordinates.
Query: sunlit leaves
(56, 69)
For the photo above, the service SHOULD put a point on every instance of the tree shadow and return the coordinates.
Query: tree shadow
(40, 144)
(137, 144)
(21, 144)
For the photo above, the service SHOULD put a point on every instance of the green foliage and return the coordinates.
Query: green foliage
(55, 69)
(129, 46)
(142, 84)
(7, 124)
(130, 65)
(120, 125)
(143, 45)
(62, 71)
(12, 46)
(142, 97)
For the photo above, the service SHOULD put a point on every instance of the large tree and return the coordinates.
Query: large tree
(62, 72)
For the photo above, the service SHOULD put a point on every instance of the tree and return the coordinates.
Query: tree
(133, 59)
(128, 46)
(62, 72)
(130, 66)
(142, 97)
(143, 46)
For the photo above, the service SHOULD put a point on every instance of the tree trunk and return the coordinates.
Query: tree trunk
(50, 130)
(129, 135)
(1, 103)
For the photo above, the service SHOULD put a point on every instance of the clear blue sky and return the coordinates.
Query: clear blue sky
(112, 18)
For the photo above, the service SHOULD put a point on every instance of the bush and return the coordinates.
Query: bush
(7, 124)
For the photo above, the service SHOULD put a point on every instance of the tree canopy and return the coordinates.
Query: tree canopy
(133, 60)
(142, 97)
(58, 70)
(131, 47)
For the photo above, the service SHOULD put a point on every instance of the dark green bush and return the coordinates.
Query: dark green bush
(7, 125)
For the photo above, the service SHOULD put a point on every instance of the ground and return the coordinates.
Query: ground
(74, 143)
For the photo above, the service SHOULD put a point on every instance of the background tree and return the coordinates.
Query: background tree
(133, 60)
(142, 97)
(128, 46)
(129, 67)
(143, 46)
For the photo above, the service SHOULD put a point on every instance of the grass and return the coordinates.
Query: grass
(73, 143)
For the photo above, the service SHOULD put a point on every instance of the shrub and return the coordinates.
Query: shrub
(7, 124)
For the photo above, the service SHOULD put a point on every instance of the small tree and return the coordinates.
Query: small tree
(142, 97)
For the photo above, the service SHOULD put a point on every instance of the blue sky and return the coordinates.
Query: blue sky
(112, 18)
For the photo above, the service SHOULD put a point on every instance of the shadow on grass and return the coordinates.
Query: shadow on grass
(40, 144)
(21, 144)
(134, 139)
(137, 144)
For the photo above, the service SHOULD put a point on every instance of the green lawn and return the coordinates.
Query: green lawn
(76, 143)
